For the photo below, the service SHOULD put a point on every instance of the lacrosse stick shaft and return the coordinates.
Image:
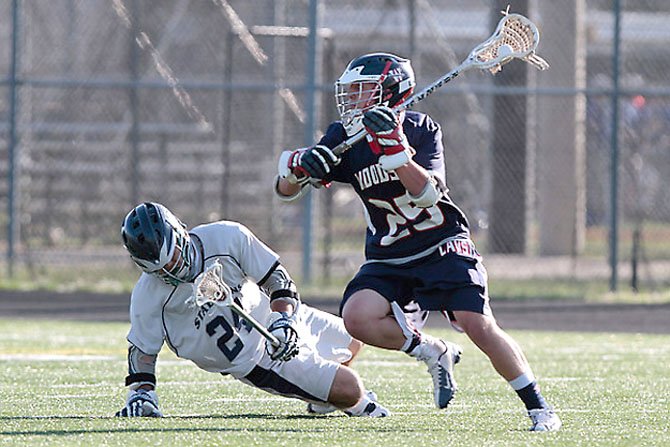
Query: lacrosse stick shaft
(252, 321)
(349, 142)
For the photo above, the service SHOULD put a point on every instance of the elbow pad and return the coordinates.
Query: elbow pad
(429, 196)
(280, 286)
(284, 198)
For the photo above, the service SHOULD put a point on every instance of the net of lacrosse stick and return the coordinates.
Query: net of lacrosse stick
(515, 37)
(209, 286)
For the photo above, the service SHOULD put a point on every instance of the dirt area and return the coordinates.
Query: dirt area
(536, 315)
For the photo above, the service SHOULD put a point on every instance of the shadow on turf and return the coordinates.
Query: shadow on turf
(152, 429)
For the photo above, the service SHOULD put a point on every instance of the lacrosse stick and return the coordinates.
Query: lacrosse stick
(209, 287)
(515, 37)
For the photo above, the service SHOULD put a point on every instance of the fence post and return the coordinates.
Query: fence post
(614, 163)
(310, 130)
(13, 206)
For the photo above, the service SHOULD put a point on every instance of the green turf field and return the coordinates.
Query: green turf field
(61, 382)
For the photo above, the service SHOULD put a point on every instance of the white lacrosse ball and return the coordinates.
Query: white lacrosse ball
(505, 50)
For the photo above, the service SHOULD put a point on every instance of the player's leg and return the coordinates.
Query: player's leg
(367, 316)
(326, 333)
(370, 318)
(347, 393)
(509, 361)
(355, 347)
(315, 380)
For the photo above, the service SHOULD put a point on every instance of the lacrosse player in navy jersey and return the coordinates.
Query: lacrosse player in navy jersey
(418, 243)
(309, 362)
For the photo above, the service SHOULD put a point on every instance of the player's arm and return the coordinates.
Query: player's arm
(142, 400)
(300, 167)
(386, 138)
(284, 303)
(281, 289)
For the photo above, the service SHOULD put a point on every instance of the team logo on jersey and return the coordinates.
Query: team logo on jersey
(462, 247)
(374, 175)
(202, 312)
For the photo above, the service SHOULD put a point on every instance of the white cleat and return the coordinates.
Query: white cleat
(313, 408)
(544, 419)
(373, 410)
(441, 368)
(325, 408)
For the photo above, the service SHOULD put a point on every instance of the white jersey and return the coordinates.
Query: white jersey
(211, 335)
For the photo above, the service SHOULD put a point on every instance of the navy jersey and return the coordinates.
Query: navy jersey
(396, 228)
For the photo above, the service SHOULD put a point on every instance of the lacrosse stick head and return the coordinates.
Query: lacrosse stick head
(515, 37)
(209, 286)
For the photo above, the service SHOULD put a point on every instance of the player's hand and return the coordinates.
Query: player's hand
(317, 161)
(304, 163)
(141, 403)
(384, 131)
(284, 329)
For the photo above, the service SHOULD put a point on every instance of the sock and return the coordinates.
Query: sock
(360, 407)
(427, 347)
(411, 343)
(528, 391)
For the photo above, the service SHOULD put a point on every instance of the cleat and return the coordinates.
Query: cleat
(325, 408)
(313, 408)
(544, 419)
(441, 368)
(372, 410)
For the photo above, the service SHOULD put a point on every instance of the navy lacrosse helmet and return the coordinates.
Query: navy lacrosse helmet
(371, 80)
(152, 235)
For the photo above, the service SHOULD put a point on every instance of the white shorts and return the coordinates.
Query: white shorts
(324, 344)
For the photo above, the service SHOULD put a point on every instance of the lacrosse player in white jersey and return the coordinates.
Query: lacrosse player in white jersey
(311, 348)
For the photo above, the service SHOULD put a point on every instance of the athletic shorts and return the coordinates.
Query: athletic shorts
(444, 281)
(324, 345)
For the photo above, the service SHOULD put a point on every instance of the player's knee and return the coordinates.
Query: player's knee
(355, 321)
(361, 312)
(347, 388)
(479, 328)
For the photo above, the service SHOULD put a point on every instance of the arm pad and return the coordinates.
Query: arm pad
(429, 196)
(284, 198)
(280, 286)
(141, 368)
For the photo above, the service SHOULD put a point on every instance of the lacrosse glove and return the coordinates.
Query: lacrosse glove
(141, 403)
(284, 329)
(386, 137)
(315, 162)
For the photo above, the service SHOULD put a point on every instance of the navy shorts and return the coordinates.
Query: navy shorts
(442, 281)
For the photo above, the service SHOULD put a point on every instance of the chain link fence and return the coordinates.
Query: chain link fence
(106, 103)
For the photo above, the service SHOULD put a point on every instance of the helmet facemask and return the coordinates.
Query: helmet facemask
(354, 99)
(376, 79)
(178, 269)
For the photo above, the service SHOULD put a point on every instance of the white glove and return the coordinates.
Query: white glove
(284, 329)
(141, 403)
(288, 166)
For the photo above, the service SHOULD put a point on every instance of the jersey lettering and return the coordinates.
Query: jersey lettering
(404, 218)
(223, 340)
(374, 175)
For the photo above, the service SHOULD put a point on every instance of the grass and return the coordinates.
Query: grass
(62, 381)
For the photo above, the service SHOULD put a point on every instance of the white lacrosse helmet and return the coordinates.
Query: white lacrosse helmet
(371, 80)
(152, 235)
